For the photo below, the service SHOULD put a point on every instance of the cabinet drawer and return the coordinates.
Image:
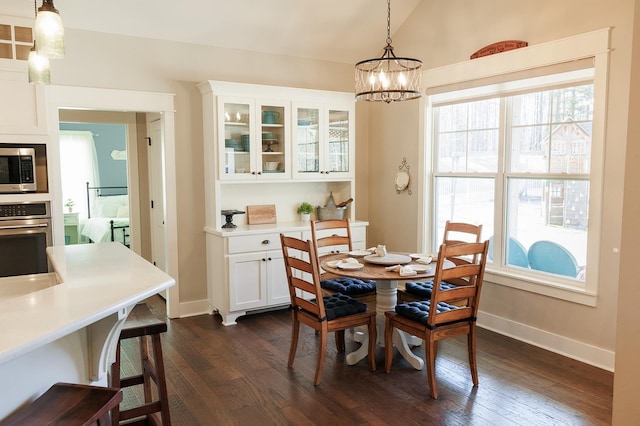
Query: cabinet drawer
(261, 242)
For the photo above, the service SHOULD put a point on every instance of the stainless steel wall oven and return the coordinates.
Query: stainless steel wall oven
(25, 234)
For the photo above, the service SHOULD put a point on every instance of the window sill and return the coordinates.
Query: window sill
(539, 285)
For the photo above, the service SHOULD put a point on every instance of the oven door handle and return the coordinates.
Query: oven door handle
(35, 225)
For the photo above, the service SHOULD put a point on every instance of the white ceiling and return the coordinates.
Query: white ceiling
(336, 30)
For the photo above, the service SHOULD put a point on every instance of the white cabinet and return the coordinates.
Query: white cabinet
(257, 280)
(323, 140)
(253, 138)
(245, 269)
(278, 133)
(249, 159)
(245, 272)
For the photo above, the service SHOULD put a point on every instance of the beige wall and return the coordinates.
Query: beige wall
(626, 409)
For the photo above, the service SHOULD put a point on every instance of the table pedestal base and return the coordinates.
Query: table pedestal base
(386, 298)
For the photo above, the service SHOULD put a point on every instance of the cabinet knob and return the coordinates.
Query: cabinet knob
(253, 173)
(264, 260)
(259, 173)
(266, 242)
(269, 259)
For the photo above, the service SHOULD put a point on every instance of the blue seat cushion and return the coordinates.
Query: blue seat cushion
(419, 311)
(423, 289)
(340, 305)
(349, 286)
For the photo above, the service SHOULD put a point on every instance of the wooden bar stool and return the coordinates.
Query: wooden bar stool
(142, 324)
(70, 405)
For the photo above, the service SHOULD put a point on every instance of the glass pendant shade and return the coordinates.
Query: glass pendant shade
(39, 72)
(388, 78)
(49, 31)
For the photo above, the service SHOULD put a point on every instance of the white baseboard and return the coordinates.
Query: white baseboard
(191, 309)
(574, 349)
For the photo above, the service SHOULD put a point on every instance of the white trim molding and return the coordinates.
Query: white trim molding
(570, 348)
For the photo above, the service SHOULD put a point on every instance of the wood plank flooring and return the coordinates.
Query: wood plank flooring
(238, 376)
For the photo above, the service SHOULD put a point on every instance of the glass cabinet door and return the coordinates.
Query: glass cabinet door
(273, 158)
(307, 141)
(236, 126)
(339, 141)
(323, 145)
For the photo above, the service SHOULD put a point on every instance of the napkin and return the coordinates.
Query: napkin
(425, 260)
(404, 271)
(335, 263)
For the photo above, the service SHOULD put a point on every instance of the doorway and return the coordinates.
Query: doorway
(61, 98)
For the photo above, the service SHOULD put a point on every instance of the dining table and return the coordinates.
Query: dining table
(385, 271)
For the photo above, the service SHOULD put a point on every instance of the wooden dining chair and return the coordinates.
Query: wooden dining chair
(454, 233)
(447, 313)
(323, 313)
(332, 236)
(338, 238)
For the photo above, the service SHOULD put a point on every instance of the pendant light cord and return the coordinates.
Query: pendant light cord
(388, 22)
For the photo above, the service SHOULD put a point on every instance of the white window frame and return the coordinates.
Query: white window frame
(511, 67)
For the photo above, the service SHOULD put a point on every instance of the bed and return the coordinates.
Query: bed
(108, 214)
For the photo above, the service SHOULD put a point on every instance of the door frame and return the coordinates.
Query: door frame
(70, 97)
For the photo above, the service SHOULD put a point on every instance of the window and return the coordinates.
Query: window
(512, 147)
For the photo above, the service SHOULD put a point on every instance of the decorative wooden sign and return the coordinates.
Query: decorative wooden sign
(499, 47)
(261, 214)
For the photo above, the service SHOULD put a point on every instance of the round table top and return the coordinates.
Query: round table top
(371, 271)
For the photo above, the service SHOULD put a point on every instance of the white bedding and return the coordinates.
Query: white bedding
(98, 229)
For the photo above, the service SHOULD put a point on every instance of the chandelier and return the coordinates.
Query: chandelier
(388, 78)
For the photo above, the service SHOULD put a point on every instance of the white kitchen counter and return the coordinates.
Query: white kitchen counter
(66, 329)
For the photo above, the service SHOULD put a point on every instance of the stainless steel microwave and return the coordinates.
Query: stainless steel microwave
(17, 170)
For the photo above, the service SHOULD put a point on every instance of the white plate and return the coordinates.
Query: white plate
(389, 259)
(350, 265)
(420, 268)
(423, 256)
(359, 253)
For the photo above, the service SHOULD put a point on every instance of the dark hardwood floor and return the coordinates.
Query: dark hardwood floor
(238, 376)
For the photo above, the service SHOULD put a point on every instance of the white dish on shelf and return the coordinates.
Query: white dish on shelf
(270, 165)
(388, 259)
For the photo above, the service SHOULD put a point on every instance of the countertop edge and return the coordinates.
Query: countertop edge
(68, 301)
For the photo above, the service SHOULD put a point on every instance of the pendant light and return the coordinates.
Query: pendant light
(388, 78)
(38, 65)
(49, 31)
(39, 70)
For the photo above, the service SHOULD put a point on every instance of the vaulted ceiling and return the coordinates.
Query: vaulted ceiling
(335, 30)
